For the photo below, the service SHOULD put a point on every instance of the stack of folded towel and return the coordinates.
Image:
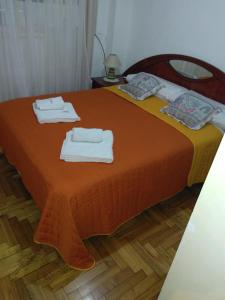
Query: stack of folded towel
(54, 110)
(88, 145)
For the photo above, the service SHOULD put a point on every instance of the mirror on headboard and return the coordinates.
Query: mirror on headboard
(189, 69)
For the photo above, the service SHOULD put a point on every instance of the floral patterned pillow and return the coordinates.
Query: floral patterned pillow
(141, 86)
(191, 110)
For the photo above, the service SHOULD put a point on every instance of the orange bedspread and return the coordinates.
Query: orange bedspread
(79, 200)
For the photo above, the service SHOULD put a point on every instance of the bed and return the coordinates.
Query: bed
(152, 160)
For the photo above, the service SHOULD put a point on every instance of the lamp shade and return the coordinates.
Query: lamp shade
(112, 61)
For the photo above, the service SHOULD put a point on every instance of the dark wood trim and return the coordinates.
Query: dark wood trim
(98, 82)
(159, 65)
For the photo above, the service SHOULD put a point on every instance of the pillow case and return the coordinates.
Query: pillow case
(191, 110)
(168, 91)
(219, 106)
(141, 86)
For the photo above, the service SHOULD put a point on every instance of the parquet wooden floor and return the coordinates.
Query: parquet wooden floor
(131, 264)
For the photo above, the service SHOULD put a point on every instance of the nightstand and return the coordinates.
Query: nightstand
(98, 82)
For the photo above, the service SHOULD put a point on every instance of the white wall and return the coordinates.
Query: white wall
(195, 28)
(198, 269)
(141, 28)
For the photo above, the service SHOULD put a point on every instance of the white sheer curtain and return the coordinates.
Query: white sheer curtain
(43, 46)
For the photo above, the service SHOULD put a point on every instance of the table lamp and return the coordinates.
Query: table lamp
(112, 62)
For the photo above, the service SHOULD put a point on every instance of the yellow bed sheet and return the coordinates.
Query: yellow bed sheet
(205, 141)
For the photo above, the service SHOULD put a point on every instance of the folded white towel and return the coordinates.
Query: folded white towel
(91, 135)
(50, 103)
(68, 114)
(88, 152)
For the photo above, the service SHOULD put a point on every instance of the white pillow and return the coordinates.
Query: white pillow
(170, 92)
(129, 77)
(218, 120)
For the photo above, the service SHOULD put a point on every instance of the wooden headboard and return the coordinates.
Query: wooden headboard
(213, 87)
